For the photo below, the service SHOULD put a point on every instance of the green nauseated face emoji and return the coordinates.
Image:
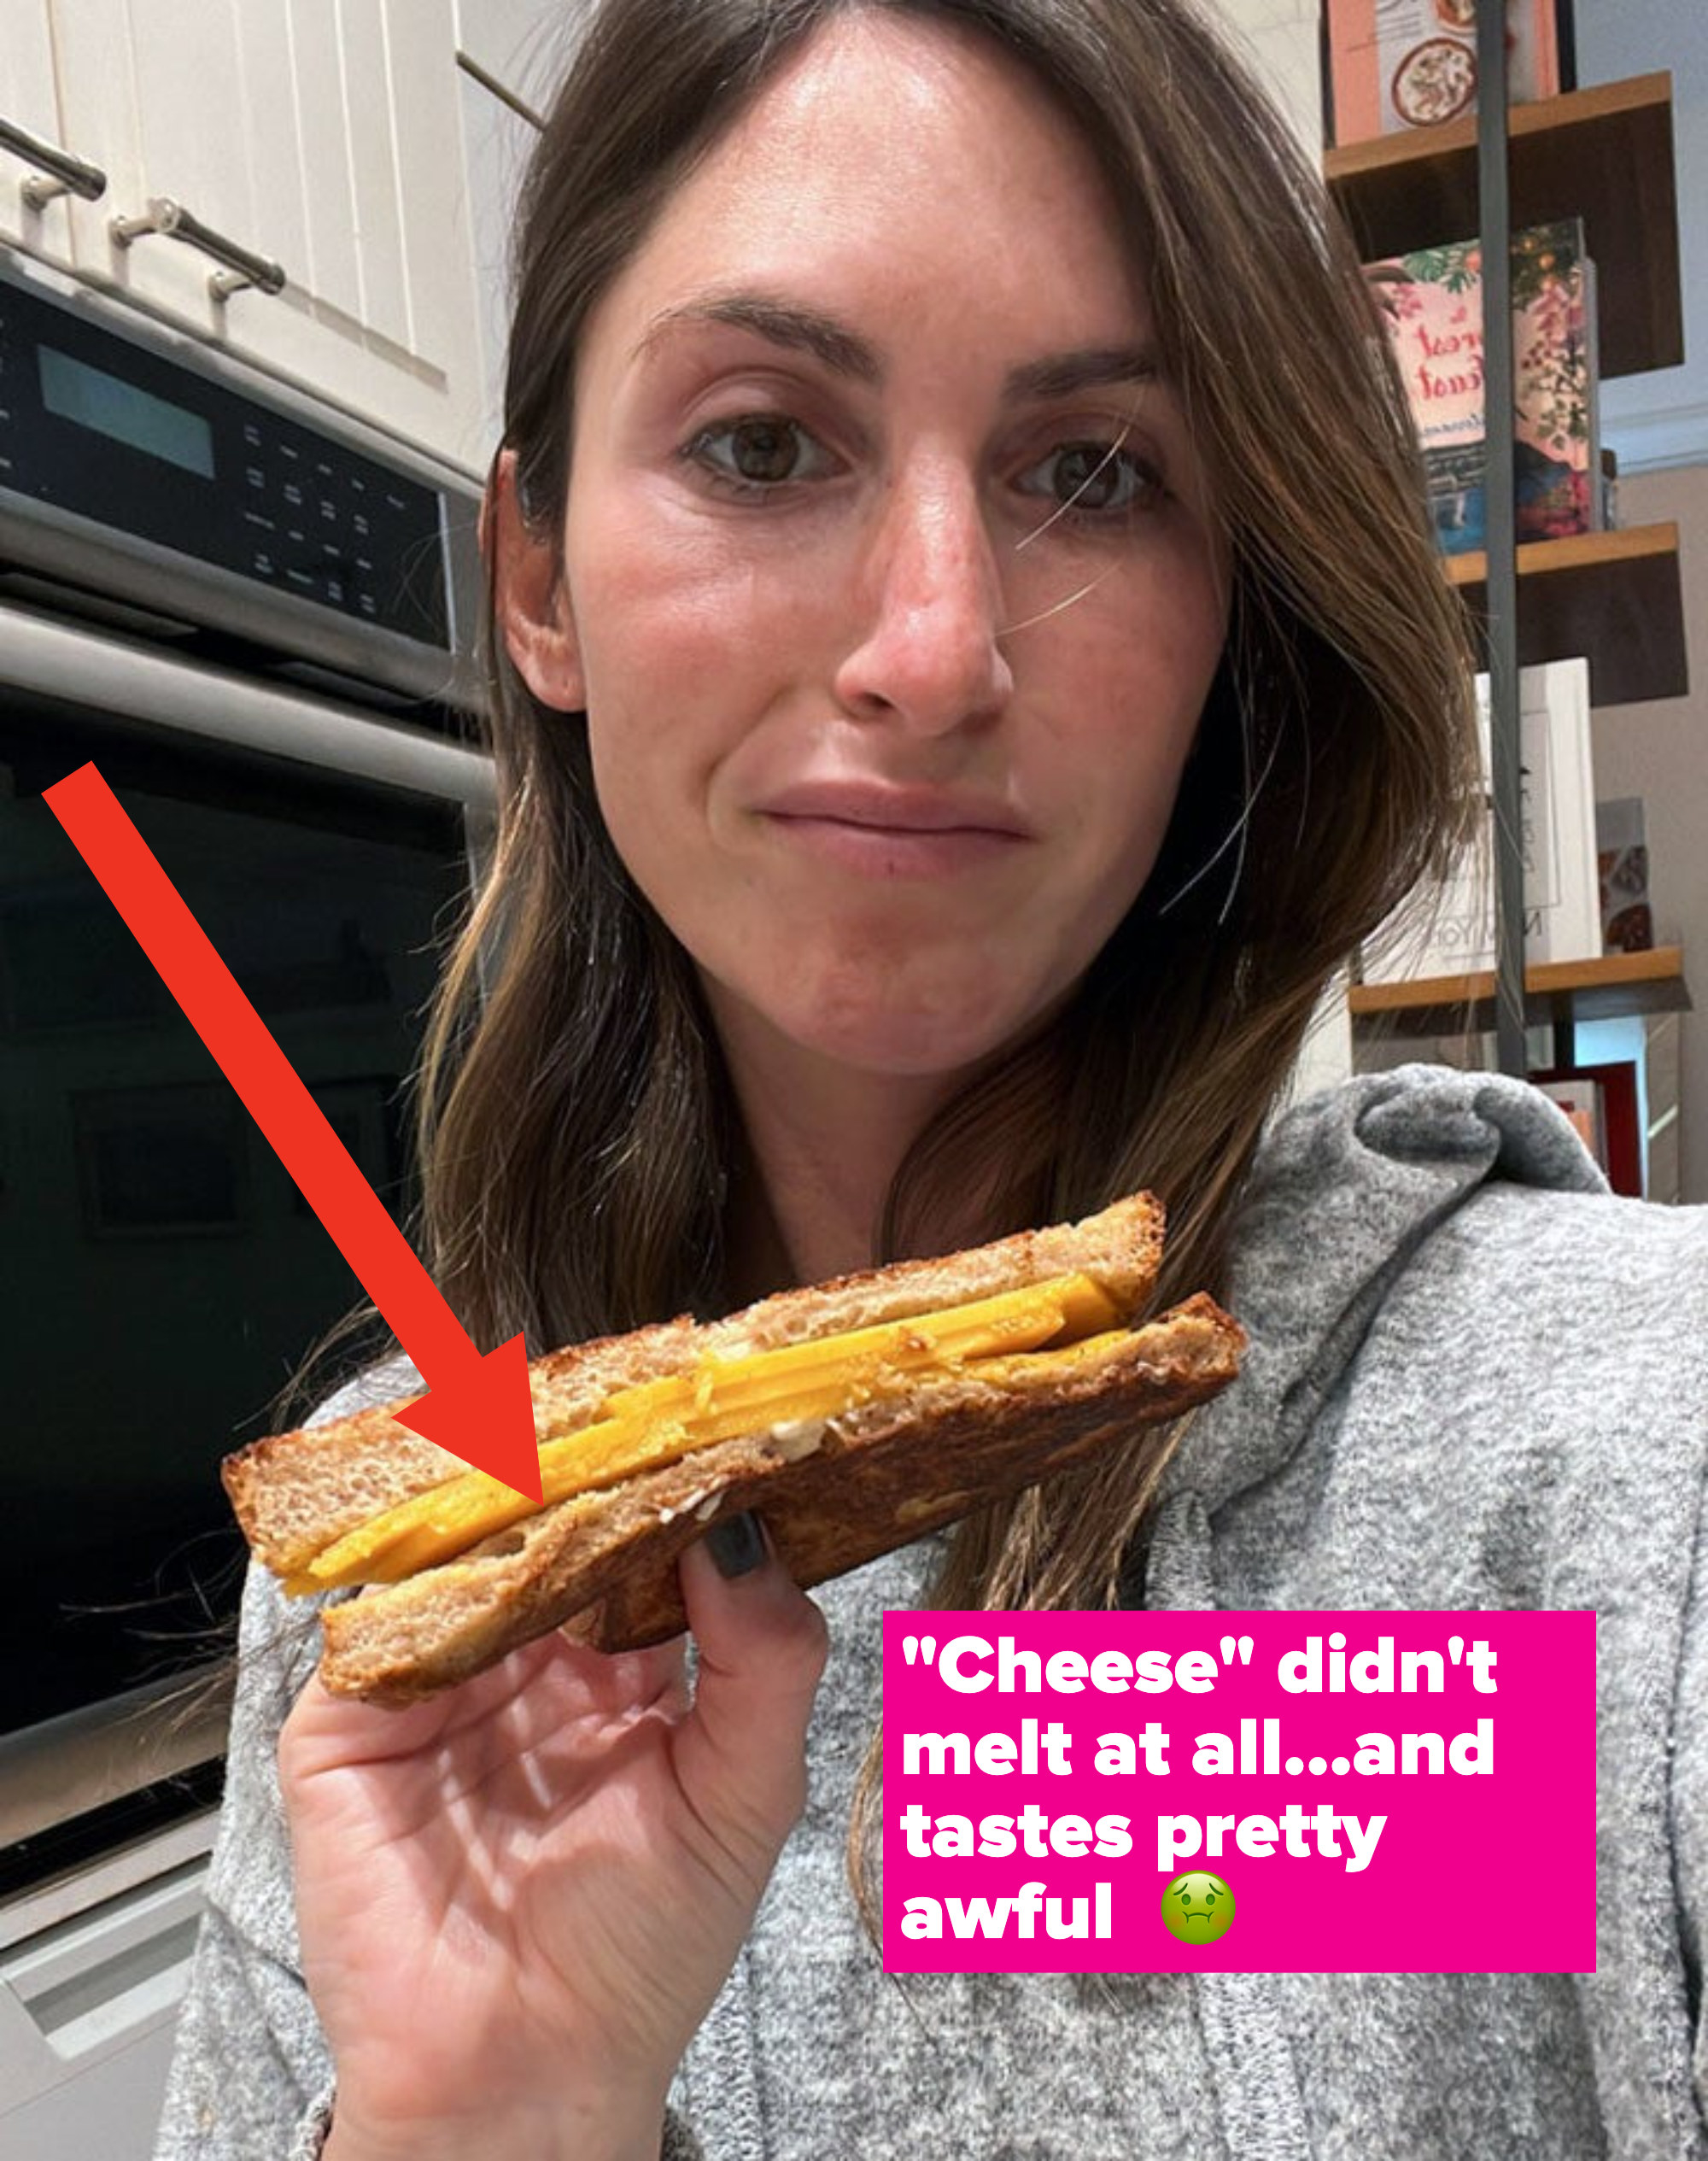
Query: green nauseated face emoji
(1197, 1908)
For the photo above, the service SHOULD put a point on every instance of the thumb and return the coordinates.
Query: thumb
(741, 1756)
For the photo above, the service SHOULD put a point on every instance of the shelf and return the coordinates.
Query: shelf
(1614, 597)
(1603, 154)
(1617, 986)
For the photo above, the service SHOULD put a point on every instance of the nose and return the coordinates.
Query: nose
(928, 651)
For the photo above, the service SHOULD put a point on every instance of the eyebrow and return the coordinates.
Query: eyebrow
(803, 330)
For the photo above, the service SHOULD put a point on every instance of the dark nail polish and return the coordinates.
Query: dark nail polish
(736, 1545)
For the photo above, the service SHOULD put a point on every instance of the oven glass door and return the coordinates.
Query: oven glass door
(160, 1279)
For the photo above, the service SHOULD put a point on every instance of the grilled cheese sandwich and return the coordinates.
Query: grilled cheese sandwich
(855, 1416)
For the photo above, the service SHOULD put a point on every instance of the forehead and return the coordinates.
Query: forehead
(908, 166)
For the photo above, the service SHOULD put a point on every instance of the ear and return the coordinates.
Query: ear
(532, 604)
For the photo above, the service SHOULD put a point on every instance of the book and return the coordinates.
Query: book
(1622, 848)
(1432, 302)
(1609, 489)
(1580, 1100)
(1400, 64)
(1601, 1102)
(1448, 930)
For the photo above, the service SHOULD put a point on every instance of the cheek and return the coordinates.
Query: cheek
(688, 647)
(1134, 688)
(654, 636)
(654, 613)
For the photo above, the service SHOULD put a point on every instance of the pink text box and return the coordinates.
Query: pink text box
(1089, 1759)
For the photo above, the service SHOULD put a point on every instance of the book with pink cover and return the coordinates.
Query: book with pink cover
(1399, 64)
(1431, 302)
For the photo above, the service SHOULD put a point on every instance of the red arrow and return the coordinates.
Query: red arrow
(480, 1407)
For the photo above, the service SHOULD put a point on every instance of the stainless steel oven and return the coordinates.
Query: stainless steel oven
(256, 615)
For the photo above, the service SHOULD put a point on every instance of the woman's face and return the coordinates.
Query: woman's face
(888, 582)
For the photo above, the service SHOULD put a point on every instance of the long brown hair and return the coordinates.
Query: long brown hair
(578, 1136)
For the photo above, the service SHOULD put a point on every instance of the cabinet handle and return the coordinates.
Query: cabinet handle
(71, 175)
(243, 268)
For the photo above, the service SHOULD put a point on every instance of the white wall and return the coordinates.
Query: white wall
(1280, 40)
(1659, 751)
(1661, 418)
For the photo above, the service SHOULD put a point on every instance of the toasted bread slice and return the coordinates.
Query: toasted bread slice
(294, 1493)
(832, 1497)
(886, 1463)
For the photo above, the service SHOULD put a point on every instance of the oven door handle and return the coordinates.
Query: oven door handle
(91, 668)
(72, 175)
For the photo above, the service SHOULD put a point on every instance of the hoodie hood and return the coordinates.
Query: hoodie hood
(1348, 1187)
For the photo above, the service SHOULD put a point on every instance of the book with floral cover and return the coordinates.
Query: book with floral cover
(1431, 301)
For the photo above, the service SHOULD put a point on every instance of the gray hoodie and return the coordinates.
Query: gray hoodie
(1475, 1379)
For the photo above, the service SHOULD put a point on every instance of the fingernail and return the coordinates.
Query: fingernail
(736, 1545)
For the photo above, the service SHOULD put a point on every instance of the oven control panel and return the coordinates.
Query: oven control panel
(162, 455)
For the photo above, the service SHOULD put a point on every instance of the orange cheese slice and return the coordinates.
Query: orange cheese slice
(643, 1427)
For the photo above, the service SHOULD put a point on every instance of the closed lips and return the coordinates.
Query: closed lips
(894, 811)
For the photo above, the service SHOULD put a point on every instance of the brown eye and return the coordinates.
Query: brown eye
(1089, 477)
(760, 451)
(764, 450)
(1095, 477)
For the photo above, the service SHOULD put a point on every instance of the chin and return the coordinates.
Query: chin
(911, 1045)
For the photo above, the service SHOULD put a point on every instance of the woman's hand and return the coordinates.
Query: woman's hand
(519, 1899)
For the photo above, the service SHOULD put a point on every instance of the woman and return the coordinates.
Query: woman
(970, 664)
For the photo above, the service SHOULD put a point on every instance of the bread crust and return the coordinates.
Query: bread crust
(294, 1493)
(604, 1566)
(832, 1493)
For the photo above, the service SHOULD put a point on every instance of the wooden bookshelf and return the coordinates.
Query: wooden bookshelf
(1560, 994)
(1603, 154)
(1614, 597)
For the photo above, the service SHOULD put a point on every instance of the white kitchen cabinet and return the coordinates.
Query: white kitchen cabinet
(317, 134)
(513, 54)
(1280, 40)
(513, 57)
(497, 142)
(522, 46)
(30, 101)
(93, 1966)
